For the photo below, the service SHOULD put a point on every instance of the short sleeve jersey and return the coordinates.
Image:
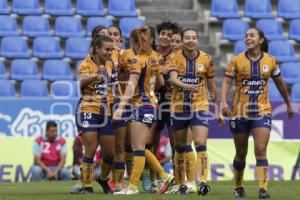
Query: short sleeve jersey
(191, 71)
(251, 97)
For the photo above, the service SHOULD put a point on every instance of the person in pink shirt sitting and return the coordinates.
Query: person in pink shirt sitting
(49, 152)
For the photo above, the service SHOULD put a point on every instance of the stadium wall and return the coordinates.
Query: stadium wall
(21, 121)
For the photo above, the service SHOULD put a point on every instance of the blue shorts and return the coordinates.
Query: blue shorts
(244, 125)
(144, 114)
(184, 120)
(86, 121)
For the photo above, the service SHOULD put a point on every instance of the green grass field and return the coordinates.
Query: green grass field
(221, 190)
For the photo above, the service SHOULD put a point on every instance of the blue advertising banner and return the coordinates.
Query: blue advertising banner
(27, 118)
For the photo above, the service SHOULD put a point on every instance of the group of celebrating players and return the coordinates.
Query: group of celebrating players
(128, 96)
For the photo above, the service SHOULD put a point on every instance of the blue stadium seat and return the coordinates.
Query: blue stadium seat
(258, 9)
(24, 69)
(34, 88)
(129, 24)
(14, 47)
(290, 72)
(295, 94)
(90, 8)
(2, 71)
(58, 7)
(272, 28)
(4, 9)
(68, 27)
(294, 30)
(92, 22)
(239, 46)
(289, 9)
(7, 89)
(234, 29)
(35, 26)
(8, 26)
(64, 89)
(27, 7)
(282, 50)
(77, 48)
(225, 9)
(56, 70)
(77, 67)
(46, 47)
(274, 93)
(122, 8)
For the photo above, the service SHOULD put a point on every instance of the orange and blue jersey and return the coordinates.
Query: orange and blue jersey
(191, 71)
(165, 92)
(251, 97)
(93, 96)
(112, 67)
(147, 67)
(125, 62)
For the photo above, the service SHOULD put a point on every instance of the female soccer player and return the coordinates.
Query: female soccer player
(251, 108)
(144, 74)
(116, 34)
(119, 126)
(93, 114)
(176, 42)
(192, 73)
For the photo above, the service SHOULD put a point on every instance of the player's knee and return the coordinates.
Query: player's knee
(260, 151)
(241, 154)
(120, 148)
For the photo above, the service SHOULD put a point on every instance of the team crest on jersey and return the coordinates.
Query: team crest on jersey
(132, 60)
(201, 68)
(161, 61)
(265, 68)
(152, 61)
(85, 124)
(115, 60)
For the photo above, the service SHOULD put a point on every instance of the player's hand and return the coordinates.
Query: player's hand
(290, 112)
(192, 88)
(118, 114)
(221, 121)
(225, 109)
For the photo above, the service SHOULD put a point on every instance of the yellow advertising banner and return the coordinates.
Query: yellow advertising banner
(16, 159)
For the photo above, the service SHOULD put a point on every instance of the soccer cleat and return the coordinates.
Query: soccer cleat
(111, 185)
(183, 189)
(239, 192)
(263, 194)
(192, 188)
(146, 181)
(127, 191)
(120, 186)
(88, 190)
(203, 189)
(173, 189)
(167, 182)
(78, 188)
(153, 188)
(104, 184)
